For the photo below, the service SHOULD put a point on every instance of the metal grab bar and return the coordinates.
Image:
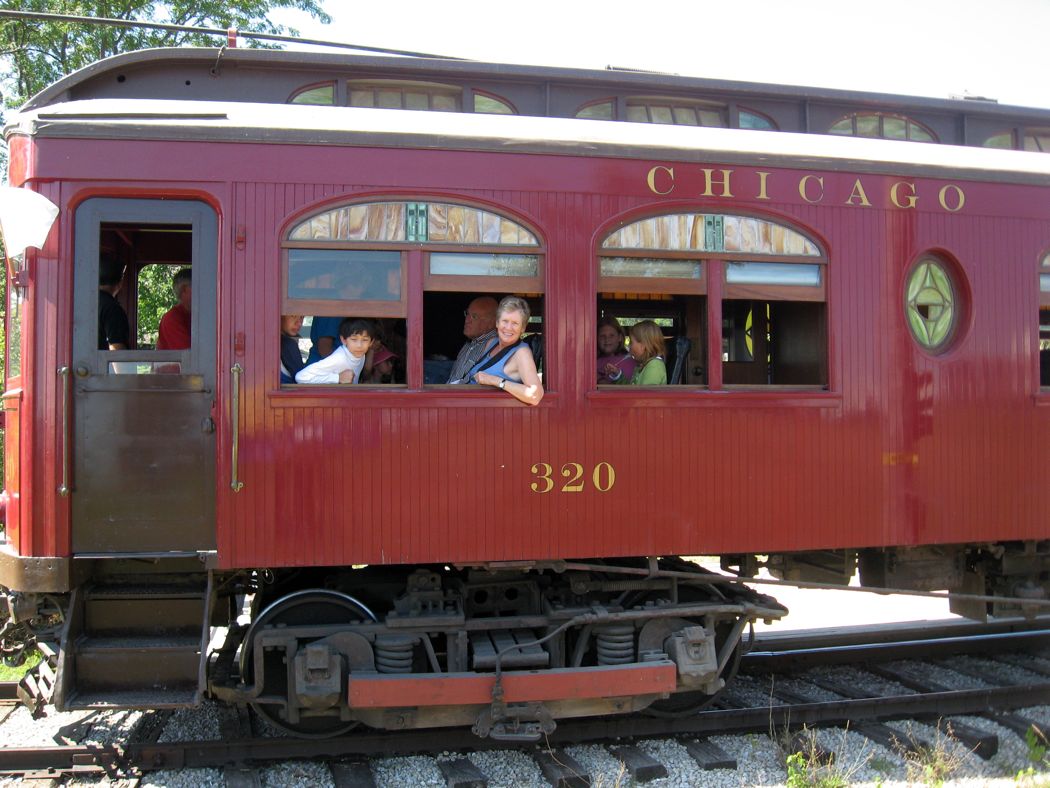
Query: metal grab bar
(64, 489)
(235, 411)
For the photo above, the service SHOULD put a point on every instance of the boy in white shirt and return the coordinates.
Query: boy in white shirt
(345, 363)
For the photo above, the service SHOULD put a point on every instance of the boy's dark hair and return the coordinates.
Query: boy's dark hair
(357, 325)
(110, 270)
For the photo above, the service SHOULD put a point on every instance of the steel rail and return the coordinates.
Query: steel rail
(112, 759)
(964, 637)
(788, 655)
(897, 631)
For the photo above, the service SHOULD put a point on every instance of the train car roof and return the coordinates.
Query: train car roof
(117, 75)
(344, 126)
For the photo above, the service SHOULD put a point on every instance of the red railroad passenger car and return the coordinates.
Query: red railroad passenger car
(852, 334)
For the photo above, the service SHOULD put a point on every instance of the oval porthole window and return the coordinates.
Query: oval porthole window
(931, 303)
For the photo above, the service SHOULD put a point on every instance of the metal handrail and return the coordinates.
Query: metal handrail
(235, 410)
(64, 488)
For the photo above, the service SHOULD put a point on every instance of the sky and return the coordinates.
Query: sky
(934, 48)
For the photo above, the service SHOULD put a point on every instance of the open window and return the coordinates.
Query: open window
(15, 317)
(396, 262)
(743, 296)
(138, 268)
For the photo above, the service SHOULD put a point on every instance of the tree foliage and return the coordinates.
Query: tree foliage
(155, 297)
(36, 53)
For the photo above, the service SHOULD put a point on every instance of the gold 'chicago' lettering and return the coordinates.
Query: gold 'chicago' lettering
(719, 183)
(959, 198)
(723, 181)
(651, 179)
(803, 185)
(762, 186)
(909, 201)
(858, 194)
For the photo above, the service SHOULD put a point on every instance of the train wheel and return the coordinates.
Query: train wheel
(685, 704)
(302, 608)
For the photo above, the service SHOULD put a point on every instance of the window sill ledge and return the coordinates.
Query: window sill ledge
(397, 396)
(701, 397)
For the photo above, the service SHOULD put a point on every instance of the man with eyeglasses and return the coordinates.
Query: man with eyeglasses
(479, 327)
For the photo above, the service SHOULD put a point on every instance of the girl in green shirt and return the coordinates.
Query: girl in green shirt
(647, 348)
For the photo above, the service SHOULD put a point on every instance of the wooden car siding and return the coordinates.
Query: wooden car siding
(904, 448)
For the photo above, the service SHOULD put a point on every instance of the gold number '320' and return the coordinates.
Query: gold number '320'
(603, 477)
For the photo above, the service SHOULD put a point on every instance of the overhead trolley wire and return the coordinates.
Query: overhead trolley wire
(213, 31)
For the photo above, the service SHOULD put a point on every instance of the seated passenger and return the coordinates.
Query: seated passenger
(383, 366)
(291, 357)
(647, 348)
(479, 327)
(174, 333)
(347, 361)
(508, 363)
(324, 336)
(613, 358)
(113, 331)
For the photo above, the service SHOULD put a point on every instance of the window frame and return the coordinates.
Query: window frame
(16, 274)
(474, 92)
(454, 283)
(1019, 137)
(457, 92)
(1035, 133)
(329, 83)
(960, 304)
(713, 286)
(1043, 269)
(730, 111)
(737, 111)
(416, 279)
(363, 307)
(909, 122)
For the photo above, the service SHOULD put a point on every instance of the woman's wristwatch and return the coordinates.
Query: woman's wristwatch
(502, 384)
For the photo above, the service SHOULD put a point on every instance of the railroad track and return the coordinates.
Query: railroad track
(785, 677)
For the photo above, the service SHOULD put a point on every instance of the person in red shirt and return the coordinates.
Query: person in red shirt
(174, 331)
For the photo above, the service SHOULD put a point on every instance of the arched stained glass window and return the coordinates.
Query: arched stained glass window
(931, 304)
(676, 112)
(700, 232)
(322, 95)
(601, 110)
(770, 280)
(1037, 140)
(413, 221)
(394, 94)
(491, 105)
(673, 112)
(1033, 139)
(883, 126)
(1003, 140)
(750, 119)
